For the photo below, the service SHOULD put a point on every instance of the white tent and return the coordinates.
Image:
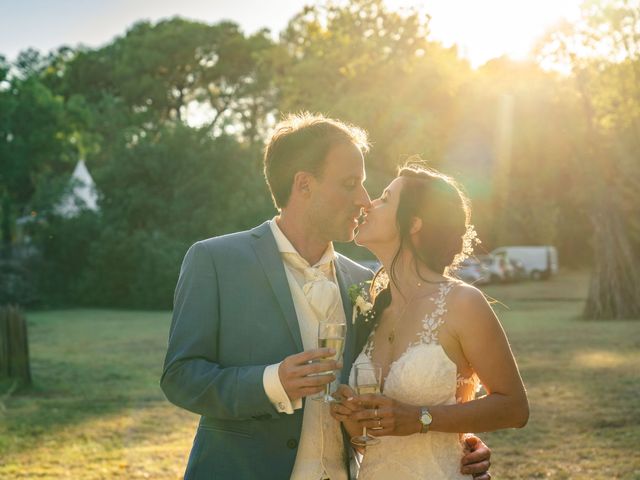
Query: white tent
(82, 196)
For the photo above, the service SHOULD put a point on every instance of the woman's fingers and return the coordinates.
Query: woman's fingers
(372, 413)
(339, 416)
(345, 391)
(352, 405)
(344, 411)
(340, 409)
(373, 400)
(380, 420)
(382, 426)
(346, 396)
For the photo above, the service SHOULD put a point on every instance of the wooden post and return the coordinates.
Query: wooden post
(14, 345)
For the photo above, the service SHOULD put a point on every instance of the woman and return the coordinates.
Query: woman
(435, 338)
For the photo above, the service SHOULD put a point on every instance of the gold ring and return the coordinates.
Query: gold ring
(375, 413)
(379, 423)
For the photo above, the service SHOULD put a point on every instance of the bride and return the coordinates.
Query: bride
(435, 338)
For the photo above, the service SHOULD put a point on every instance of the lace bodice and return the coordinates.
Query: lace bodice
(424, 376)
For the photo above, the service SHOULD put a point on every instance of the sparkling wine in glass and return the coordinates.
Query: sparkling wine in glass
(331, 335)
(367, 381)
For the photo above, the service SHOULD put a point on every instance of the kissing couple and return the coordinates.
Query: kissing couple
(246, 350)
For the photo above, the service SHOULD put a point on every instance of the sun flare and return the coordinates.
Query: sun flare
(491, 28)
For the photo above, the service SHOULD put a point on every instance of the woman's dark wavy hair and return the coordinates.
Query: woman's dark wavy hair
(445, 211)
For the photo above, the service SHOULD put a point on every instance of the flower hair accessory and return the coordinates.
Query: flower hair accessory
(469, 241)
(360, 301)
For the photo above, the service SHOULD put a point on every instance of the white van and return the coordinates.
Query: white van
(539, 262)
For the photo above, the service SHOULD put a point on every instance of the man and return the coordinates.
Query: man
(246, 310)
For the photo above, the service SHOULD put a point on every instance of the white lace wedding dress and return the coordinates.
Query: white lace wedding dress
(423, 376)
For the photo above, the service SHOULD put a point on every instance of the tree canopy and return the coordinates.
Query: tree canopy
(171, 117)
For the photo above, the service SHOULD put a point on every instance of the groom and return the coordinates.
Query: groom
(246, 310)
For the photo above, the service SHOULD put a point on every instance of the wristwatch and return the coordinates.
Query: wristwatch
(425, 419)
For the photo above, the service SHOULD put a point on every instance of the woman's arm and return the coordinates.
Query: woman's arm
(486, 348)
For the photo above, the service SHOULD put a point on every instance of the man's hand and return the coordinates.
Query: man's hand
(294, 372)
(477, 458)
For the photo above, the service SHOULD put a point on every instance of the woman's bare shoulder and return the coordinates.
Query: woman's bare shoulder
(467, 304)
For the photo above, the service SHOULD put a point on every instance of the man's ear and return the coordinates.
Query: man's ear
(416, 225)
(302, 183)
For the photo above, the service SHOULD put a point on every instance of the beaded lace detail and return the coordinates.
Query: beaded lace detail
(430, 324)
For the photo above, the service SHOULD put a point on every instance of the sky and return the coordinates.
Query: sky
(482, 29)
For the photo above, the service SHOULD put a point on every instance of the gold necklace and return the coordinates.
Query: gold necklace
(392, 334)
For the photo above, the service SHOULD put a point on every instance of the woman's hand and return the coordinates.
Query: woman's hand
(386, 416)
(344, 408)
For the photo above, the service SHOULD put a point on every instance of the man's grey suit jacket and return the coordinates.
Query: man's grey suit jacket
(233, 316)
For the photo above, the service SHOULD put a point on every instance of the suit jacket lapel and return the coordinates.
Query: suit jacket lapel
(269, 256)
(345, 281)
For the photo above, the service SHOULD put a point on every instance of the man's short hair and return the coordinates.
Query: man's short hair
(300, 143)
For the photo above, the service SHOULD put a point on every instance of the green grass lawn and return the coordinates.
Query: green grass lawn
(96, 410)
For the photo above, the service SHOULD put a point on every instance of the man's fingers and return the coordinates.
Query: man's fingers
(471, 440)
(474, 468)
(479, 452)
(307, 391)
(483, 476)
(315, 380)
(316, 367)
(310, 355)
(478, 459)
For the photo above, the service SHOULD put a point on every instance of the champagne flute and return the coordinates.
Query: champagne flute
(331, 335)
(367, 381)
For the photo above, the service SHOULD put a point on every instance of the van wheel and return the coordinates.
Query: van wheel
(536, 275)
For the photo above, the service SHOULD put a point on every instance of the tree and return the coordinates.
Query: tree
(603, 50)
(160, 195)
(364, 63)
(513, 148)
(158, 72)
(35, 137)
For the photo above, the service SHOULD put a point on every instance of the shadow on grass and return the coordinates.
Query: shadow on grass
(72, 394)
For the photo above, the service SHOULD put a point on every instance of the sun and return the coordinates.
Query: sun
(488, 29)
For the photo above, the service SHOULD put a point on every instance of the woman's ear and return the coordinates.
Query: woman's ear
(416, 225)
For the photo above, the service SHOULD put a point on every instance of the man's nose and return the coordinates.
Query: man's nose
(364, 201)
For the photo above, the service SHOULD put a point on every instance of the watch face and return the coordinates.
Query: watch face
(425, 419)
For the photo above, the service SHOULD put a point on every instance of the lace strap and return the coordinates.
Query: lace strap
(432, 322)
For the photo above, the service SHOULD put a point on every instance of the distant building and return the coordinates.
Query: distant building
(82, 194)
